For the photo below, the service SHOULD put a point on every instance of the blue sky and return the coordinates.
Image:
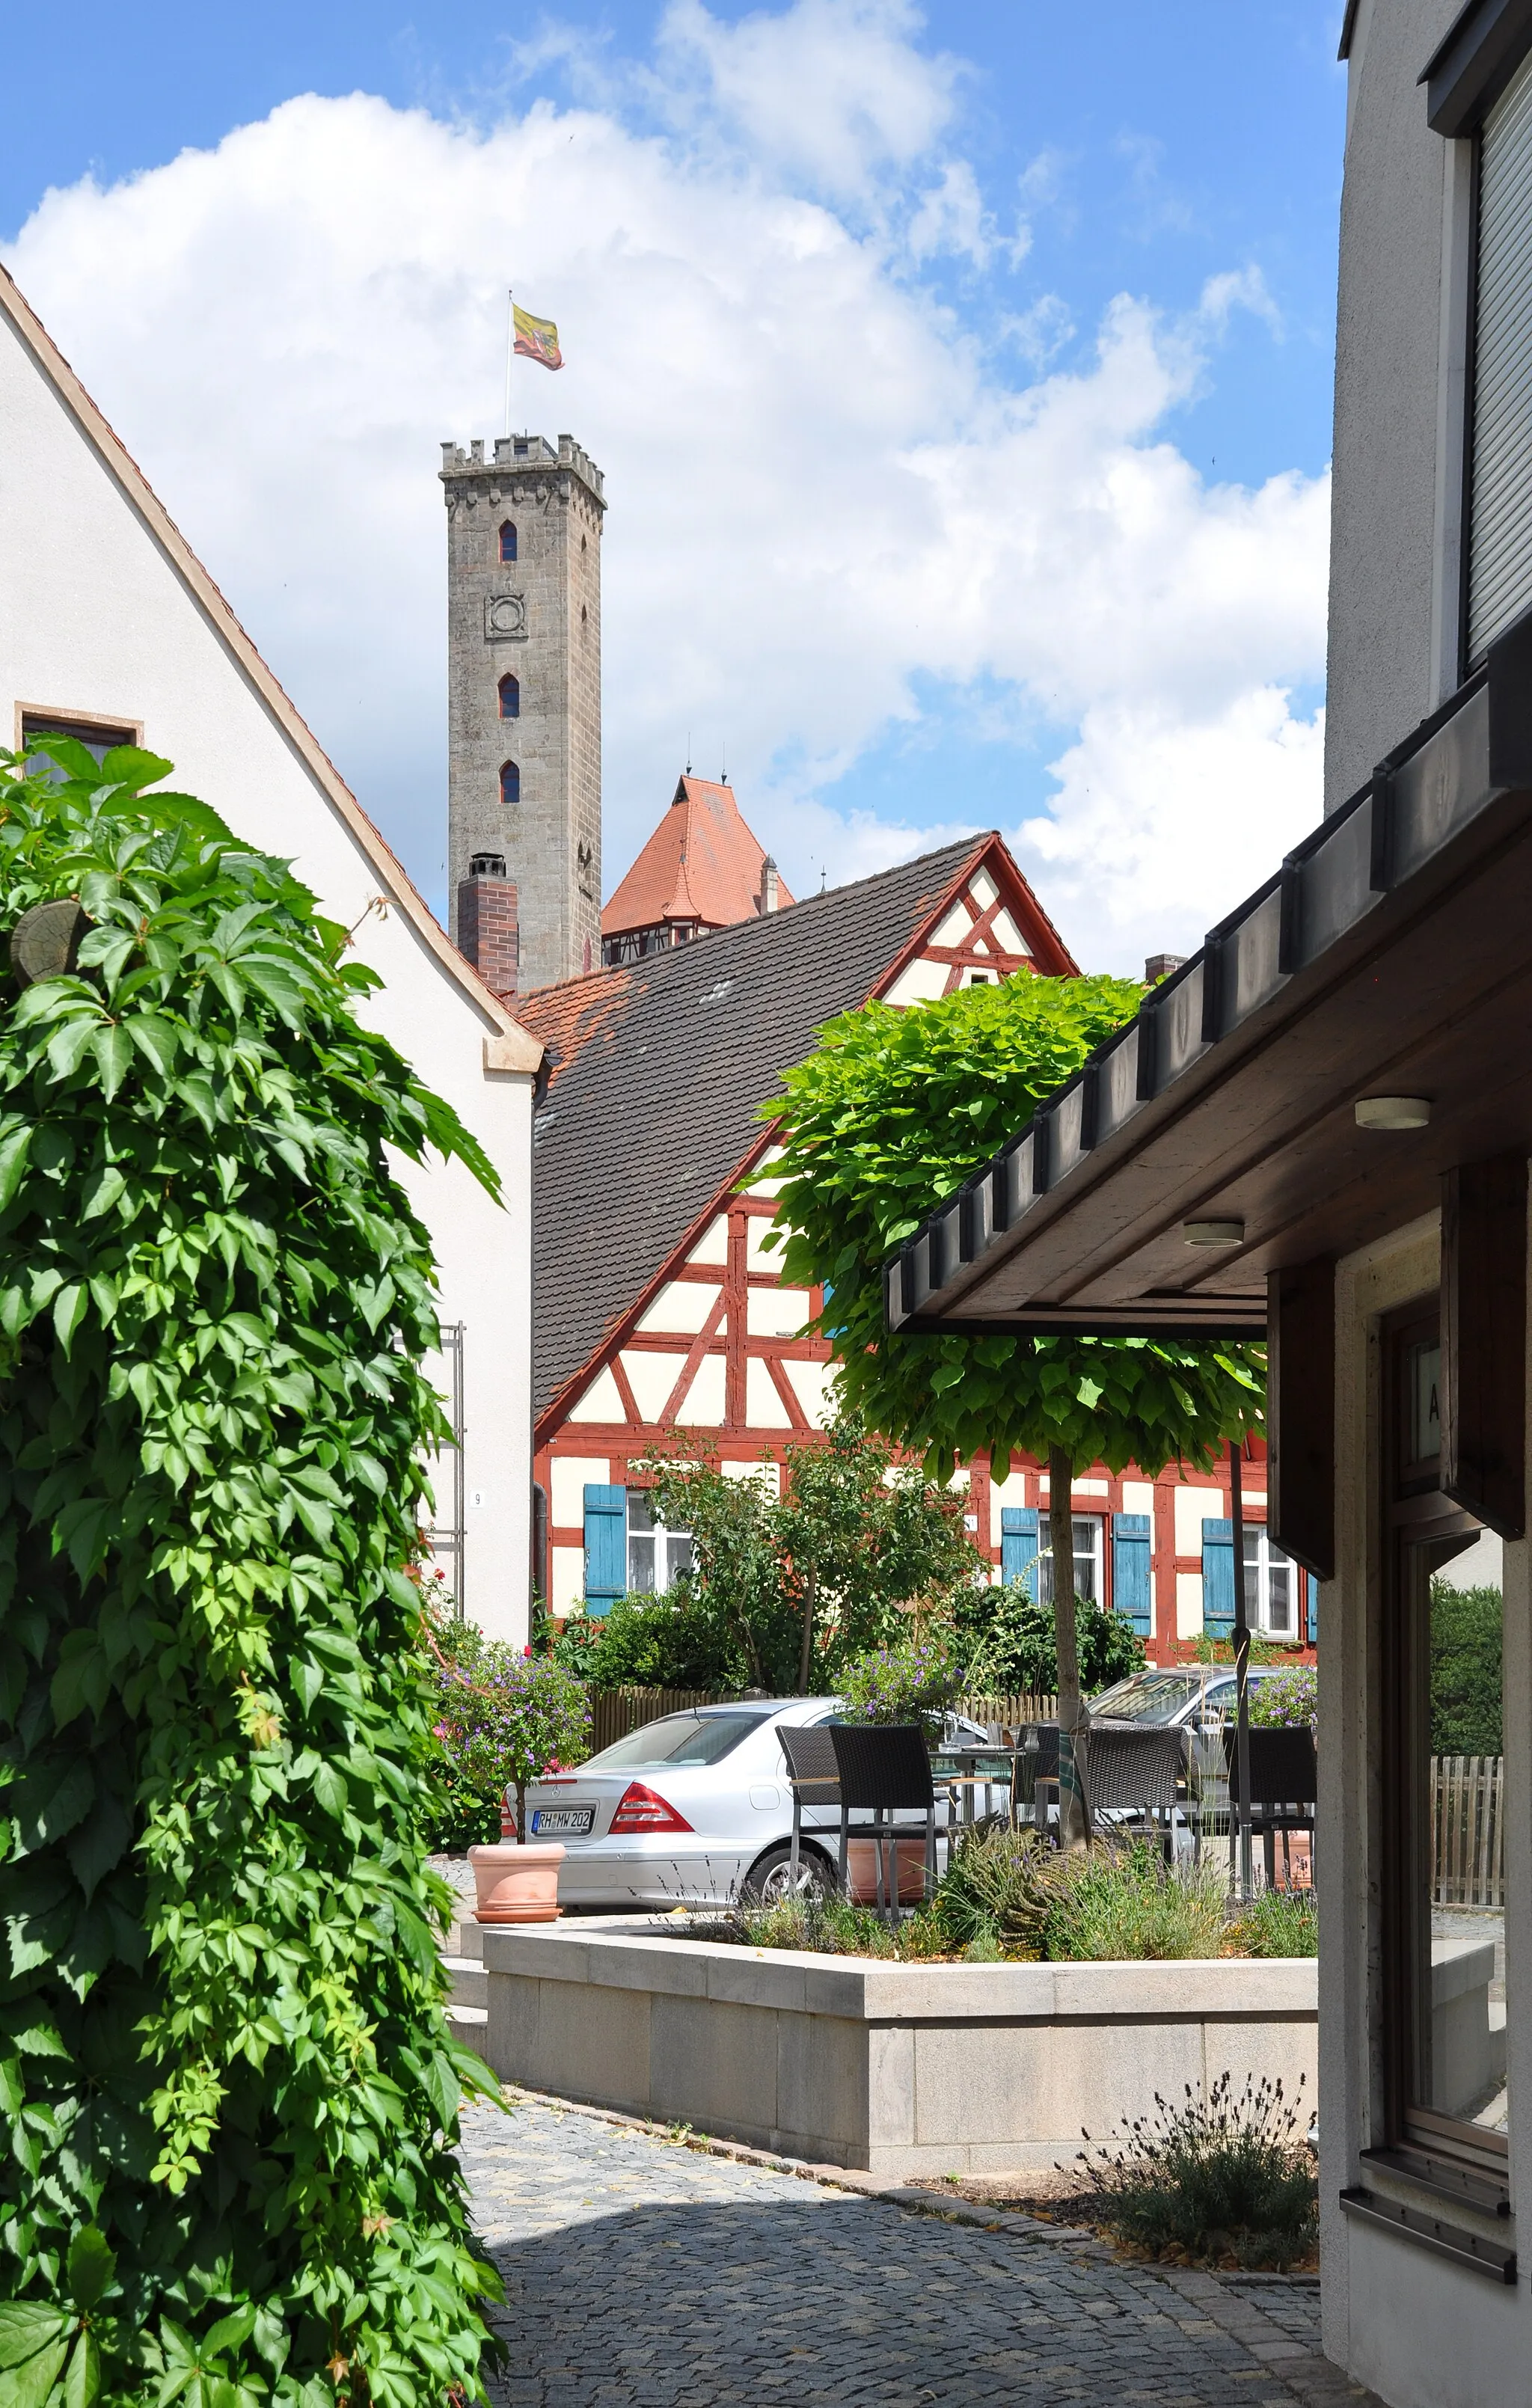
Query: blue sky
(989, 185)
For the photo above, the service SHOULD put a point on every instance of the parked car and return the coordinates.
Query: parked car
(1197, 1699)
(692, 1809)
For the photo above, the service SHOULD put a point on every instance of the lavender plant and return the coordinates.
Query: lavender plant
(912, 1681)
(1288, 1702)
(505, 1717)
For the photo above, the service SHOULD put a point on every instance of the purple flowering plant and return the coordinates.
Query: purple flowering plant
(504, 1717)
(914, 1680)
(1288, 1700)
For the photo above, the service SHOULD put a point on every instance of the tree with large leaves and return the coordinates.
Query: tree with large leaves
(226, 2073)
(884, 1122)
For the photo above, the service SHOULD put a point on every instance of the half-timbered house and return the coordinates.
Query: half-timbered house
(658, 1309)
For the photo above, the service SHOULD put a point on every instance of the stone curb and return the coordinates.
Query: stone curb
(1314, 2382)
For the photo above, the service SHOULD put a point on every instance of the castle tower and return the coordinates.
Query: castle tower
(523, 708)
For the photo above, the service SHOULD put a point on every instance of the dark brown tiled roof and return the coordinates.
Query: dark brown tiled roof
(655, 1070)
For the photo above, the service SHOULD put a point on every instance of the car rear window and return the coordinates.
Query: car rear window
(1147, 1698)
(675, 1739)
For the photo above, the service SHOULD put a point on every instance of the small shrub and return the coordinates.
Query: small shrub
(1000, 1886)
(1466, 1628)
(1129, 1903)
(1278, 1923)
(1216, 2178)
(1009, 1639)
(650, 1642)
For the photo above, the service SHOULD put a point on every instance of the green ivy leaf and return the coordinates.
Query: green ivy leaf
(26, 2327)
(92, 2266)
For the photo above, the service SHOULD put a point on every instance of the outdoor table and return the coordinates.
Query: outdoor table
(968, 1777)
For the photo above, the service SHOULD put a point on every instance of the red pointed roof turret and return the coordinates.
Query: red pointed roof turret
(703, 867)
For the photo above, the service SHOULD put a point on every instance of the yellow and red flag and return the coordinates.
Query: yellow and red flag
(536, 338)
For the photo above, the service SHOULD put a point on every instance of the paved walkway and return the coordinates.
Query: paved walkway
(643, 2273)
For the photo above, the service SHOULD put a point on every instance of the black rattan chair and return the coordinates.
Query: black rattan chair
(884, 1773)
(1131, 1770)
(816, 1780)
(1283, 1790)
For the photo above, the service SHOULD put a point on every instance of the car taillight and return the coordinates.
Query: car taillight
(639, 1810)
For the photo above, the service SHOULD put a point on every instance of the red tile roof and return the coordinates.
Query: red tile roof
(702, 863)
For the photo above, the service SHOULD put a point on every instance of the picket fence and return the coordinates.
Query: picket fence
(1467, 1825)
(614, 1713)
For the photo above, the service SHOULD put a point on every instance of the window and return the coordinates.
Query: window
(511, 782)
(1501, 464)
(510, 696)
(507, 541)
(1089, 1530)
(1272, 1586)
(656, 1555)
(1443, 1761)
(97, 736)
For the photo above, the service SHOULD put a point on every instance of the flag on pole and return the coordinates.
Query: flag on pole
(536, 338)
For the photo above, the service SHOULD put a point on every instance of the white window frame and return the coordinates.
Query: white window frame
(672, 1548)
(1095, 1525)
(1262, 1559)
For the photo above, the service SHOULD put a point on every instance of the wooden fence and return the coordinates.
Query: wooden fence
(617, 1712)
(1468, 1826)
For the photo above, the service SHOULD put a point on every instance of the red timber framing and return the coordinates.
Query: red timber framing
(708, 1357)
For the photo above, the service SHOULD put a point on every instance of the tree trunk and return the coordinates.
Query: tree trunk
(1074, 1822)
(521, 1811)
(806, 1658)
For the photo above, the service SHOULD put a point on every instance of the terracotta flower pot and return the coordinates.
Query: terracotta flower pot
(517, 1884)
(862, 1871)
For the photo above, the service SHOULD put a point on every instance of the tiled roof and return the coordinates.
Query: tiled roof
(702, 863)
(654, 1072)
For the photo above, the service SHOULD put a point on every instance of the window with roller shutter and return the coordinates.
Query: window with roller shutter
(1500, 580)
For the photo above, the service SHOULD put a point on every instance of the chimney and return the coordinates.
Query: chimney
(487, 933)
(1159, 965)
(766, 899)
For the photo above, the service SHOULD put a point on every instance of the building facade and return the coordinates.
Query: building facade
(662, 1313)
(109, 626)
(523, 704)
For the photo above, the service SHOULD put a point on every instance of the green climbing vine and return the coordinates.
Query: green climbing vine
(225, 2076)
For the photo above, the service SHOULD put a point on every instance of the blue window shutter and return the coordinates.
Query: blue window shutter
(1130, 1550)
(605, 1546)
(1218, 1579)
(1018, 1541)
(1313, 1609)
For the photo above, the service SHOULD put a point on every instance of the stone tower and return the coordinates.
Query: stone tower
(523, 711)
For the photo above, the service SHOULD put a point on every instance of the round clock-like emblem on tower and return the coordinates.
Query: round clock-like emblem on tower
(504, 618)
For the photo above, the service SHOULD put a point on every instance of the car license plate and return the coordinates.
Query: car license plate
(575, 1820)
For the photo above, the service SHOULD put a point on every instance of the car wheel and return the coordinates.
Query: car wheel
(769, 1880)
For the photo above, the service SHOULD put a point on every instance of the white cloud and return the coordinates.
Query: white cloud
(951, 218)
(828, 505)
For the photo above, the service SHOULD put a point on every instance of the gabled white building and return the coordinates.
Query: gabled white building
(110, 627)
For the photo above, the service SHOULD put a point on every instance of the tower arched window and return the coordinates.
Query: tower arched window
(510, 696)
(508, 540)
(511, 782)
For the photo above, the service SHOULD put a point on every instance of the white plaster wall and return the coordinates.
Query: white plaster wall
(1420, 2330)
(95, 619)
(1384, 653)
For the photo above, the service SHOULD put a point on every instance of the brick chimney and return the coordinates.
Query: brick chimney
(487, 933)
(1159, 965)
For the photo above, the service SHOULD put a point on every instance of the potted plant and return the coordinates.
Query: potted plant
(515, 1718)
(912, 1681)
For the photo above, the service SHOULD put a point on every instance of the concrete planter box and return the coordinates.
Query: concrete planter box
(899, 2068)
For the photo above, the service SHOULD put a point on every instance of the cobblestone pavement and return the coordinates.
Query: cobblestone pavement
(641, 2273)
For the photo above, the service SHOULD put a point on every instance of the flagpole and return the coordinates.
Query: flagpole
(510, 346)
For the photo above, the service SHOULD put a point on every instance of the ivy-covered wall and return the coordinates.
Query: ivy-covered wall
(224, 2072)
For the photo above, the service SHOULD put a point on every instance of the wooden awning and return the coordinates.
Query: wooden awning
(1391, 954)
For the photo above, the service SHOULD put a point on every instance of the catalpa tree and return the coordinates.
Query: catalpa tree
(884, 1122)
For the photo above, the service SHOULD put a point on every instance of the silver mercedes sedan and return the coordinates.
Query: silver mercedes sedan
(694, 1809)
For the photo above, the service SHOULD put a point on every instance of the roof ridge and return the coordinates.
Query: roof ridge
(120, 464)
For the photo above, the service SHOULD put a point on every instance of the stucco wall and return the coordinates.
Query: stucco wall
(1422, 2332)
(96, 620)
(1393, 637)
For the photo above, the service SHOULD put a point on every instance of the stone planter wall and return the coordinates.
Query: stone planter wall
(900, 2069)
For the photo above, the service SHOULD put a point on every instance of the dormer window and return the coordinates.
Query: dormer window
(511, 782)
(510, 697)
(507, 540)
